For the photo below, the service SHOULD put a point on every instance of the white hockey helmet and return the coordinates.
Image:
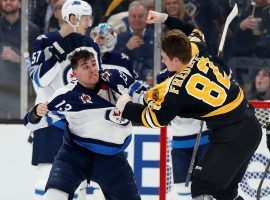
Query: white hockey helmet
(78, 8)
(105, 30)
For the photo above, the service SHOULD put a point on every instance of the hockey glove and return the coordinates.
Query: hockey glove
(60, 49)
(135, 87)
(122, 101)
(58, 52)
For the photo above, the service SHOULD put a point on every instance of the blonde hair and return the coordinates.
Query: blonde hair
(181, 11)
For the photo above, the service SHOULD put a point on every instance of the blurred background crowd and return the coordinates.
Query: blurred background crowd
(246, 50)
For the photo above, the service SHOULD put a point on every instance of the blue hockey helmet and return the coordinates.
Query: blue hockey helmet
(105, 36)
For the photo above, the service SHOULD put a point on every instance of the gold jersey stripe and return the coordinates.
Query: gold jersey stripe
(229, 107)
(197, 31)
(143, 118)
(194, 49)
(154, 119)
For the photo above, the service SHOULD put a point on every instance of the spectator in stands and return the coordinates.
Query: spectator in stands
(120, 22)
(138, 41)
(260, 87)
(43, 14)
(150, 4)
(0, 9)
(113, 7)
(56, 21)
(207, 15)
(176, 8)
(10, 46)
(252, 31)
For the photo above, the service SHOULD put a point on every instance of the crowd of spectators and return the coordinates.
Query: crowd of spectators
(10, 46)
(248, 35)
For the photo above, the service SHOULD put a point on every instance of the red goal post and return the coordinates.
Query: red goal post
(262, 111)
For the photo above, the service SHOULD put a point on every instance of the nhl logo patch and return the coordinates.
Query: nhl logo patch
(155, 94)
(86, 98)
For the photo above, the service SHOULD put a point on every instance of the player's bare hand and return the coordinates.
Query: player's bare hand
(134, 42)
(42, 109)
(156, 17)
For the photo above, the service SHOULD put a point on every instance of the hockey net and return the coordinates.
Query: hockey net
(262, 112)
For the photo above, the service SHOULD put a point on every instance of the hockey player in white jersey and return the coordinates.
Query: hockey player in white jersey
(96, 135)
(50, 69)
(106, 37)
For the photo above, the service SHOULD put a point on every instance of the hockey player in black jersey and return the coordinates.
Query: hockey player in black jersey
(201, 88)
(96, 135)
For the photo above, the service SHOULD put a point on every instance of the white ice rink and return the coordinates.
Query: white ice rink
(17, 174)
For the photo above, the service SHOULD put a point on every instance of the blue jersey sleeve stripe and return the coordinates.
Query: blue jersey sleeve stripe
(36, 77)
(60, 124)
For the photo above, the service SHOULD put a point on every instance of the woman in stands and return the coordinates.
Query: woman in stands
(260, 87)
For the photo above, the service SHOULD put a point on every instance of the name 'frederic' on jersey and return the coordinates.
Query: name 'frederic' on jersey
(181, 75)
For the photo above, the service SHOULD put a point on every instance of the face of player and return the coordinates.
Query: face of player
(87, 73)
(99, 38)
(173, 65)
(84, 24)
(10, 6)
(137, 17)
(172, 7)
(262, 81)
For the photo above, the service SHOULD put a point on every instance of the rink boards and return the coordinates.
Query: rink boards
(17, 174)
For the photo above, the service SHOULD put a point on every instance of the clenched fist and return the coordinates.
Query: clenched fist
(156, 17)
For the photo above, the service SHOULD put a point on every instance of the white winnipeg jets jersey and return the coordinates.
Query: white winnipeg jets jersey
(92, 119)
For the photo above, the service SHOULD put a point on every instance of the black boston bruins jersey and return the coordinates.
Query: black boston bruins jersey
(202, 90)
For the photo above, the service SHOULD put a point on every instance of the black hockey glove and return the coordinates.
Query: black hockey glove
(60, 49)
